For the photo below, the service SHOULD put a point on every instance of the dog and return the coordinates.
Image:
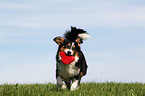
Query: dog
(71, 65)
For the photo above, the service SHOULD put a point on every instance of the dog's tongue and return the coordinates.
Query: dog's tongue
(66, 59)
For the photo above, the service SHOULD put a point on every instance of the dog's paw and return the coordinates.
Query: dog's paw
(62, 87)
(74, 88)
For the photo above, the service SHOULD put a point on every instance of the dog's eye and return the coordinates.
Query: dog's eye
(64, 46)
(74, 47)
(67, 46)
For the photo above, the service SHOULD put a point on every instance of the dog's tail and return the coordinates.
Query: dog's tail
(75, 33)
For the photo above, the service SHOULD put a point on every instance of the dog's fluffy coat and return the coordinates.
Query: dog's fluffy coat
(71, 74)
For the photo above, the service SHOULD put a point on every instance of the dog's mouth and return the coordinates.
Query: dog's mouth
(66, 58)
(68, 54)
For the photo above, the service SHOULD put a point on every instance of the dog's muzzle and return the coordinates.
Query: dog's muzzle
(68, 52)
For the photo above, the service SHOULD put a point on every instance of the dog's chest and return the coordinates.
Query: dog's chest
(68, 71)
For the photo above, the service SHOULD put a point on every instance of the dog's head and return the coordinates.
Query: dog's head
(70, 48)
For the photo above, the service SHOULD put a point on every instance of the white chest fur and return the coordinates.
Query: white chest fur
(68, 71)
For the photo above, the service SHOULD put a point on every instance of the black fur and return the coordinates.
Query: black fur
(73, 34)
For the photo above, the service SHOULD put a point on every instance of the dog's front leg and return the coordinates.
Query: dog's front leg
(60, 83)
(67, 82)
(74, 85)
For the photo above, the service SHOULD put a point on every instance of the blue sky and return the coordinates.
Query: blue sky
(115, 52)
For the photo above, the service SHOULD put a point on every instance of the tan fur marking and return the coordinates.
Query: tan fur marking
(59, 40)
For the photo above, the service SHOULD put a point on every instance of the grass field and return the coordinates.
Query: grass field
(86, 89)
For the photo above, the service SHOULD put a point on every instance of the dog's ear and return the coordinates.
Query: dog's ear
(79, 41)
(59, 40)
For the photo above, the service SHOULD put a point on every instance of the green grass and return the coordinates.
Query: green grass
(86, 89)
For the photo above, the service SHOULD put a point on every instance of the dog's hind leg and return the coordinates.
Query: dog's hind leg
(60, 83)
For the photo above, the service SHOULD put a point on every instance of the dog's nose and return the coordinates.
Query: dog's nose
(69, 52)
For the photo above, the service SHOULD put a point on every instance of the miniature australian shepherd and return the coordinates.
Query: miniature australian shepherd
(71, 65)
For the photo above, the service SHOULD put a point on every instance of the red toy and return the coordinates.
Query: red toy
(66, 59)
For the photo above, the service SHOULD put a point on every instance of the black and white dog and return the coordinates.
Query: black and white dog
(71, 64)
